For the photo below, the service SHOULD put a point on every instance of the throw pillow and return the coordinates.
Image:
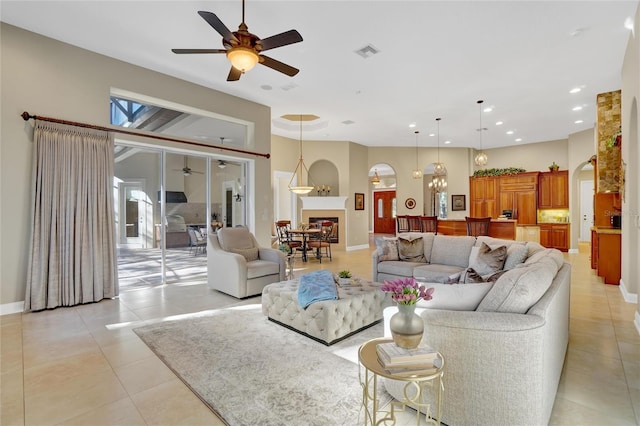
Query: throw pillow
(411, 250)
(471, 276)
(250, 254)
(387, 249)
(516, 254)
(488, 260)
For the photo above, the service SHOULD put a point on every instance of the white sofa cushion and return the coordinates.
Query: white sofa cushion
(435, 273)
(452, 250)
(456, 297)
(519, 289)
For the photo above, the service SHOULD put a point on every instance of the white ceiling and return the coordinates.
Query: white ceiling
(436, 60)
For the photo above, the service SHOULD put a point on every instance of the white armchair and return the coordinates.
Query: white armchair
(238, 266)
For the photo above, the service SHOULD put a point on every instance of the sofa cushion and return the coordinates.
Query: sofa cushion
(516, 255)
(456, 297)
(249, 254)
(452, 250)
(235, 238)
(387, 249)
(435, 273)
(518, 289)
(552, 256)
(261, 268)
(486, 260)
(411, 249)
(398, 267)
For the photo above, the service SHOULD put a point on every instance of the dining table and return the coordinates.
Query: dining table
(304, 233)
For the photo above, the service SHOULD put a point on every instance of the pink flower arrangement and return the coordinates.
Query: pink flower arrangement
(407, 291)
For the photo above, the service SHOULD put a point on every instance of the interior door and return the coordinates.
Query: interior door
(384, 212)
(133, 211)
(586, 209)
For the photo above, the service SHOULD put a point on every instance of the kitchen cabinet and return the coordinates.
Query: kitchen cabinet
(555, 235)
(483, 195)
(553, 190)
(519, 193)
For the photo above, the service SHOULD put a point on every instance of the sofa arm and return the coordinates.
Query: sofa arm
(277, 256)
(226, 271)
(374, 266)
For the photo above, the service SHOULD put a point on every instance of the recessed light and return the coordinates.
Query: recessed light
(447, 142)
(412, 125)
(628, 23)
(432, 134)
(266, 87)
(519, 140)
(499, 123)
(577, 108)
(488, 109)
(575, 90)
(509, 132)
(578, 121)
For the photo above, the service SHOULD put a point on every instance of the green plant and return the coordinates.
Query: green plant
(498, 172)
(285, 248)
(344, 274)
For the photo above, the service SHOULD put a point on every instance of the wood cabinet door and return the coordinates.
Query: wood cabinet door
(476, 188)
(545, 236)
(526, 204)
(544, 191)
(506, 202)
(491, 209)
(560, 190)
(559, 237)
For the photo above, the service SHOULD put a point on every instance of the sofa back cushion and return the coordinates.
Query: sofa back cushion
(456, 297)
(451, 250)
(235, 238)
(519, 289)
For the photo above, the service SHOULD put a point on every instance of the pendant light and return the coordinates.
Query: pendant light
(439, 180)
(438, 168)
(481, 158)
(417, 173)
(375, 179)
(301, 189)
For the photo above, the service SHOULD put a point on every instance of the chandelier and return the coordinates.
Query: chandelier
(300, 167)
(481, 158)
(375, 179)
(417, 173)
(438, 184)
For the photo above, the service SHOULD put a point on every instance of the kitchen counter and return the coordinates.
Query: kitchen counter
(606, 252)
(498, 228)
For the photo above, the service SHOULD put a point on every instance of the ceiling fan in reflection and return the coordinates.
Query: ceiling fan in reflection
(186, 170)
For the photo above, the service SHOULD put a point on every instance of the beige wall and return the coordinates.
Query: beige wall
(631, 156)
(531, 157)
(582, 146)
(49, 78)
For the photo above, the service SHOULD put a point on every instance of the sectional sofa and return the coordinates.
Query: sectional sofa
(503, 334)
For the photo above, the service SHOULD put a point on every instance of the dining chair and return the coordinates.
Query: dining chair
(477, 226)
(415, 224)
(196, 241)
(322, 241)
(284, 237)
(402, 224)
(429, 224)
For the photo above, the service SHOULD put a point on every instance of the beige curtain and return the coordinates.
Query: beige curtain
(72, 258)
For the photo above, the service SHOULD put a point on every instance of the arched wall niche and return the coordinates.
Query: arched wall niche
(386, 173)
(325, 177)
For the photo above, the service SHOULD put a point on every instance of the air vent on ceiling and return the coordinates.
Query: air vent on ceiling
(368, 51)
(347, 122)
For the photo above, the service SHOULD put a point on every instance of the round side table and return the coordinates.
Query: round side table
(415, 386)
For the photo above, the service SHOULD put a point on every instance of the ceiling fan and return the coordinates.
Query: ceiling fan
(186, 170)
(243, 49)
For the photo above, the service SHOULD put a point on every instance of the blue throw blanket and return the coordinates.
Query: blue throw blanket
(316, 286)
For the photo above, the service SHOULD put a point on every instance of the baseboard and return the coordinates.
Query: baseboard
(11, 308)
(360, 247)
(626, 295)
(637, 322)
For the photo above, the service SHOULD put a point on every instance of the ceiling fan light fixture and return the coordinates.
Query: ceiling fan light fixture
(375, 179)
(222, 164)
(242, 58)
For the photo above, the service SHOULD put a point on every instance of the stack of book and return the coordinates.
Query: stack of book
(398, 361)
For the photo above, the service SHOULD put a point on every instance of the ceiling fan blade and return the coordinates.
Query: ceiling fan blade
(278, 66)
(282, 39)
(217, 25)
(234, 74)
(181, 51)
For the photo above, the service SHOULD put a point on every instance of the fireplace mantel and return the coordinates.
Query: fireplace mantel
(323, 203)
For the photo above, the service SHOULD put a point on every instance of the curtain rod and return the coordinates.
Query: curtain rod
(26, 116)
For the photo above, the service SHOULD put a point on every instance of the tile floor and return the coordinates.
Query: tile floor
(84, 365)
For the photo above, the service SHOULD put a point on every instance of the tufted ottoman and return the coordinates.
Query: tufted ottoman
(358, 307)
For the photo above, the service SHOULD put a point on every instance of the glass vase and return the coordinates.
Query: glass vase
(406, 327)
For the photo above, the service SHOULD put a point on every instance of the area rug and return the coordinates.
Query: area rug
(251, 371)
